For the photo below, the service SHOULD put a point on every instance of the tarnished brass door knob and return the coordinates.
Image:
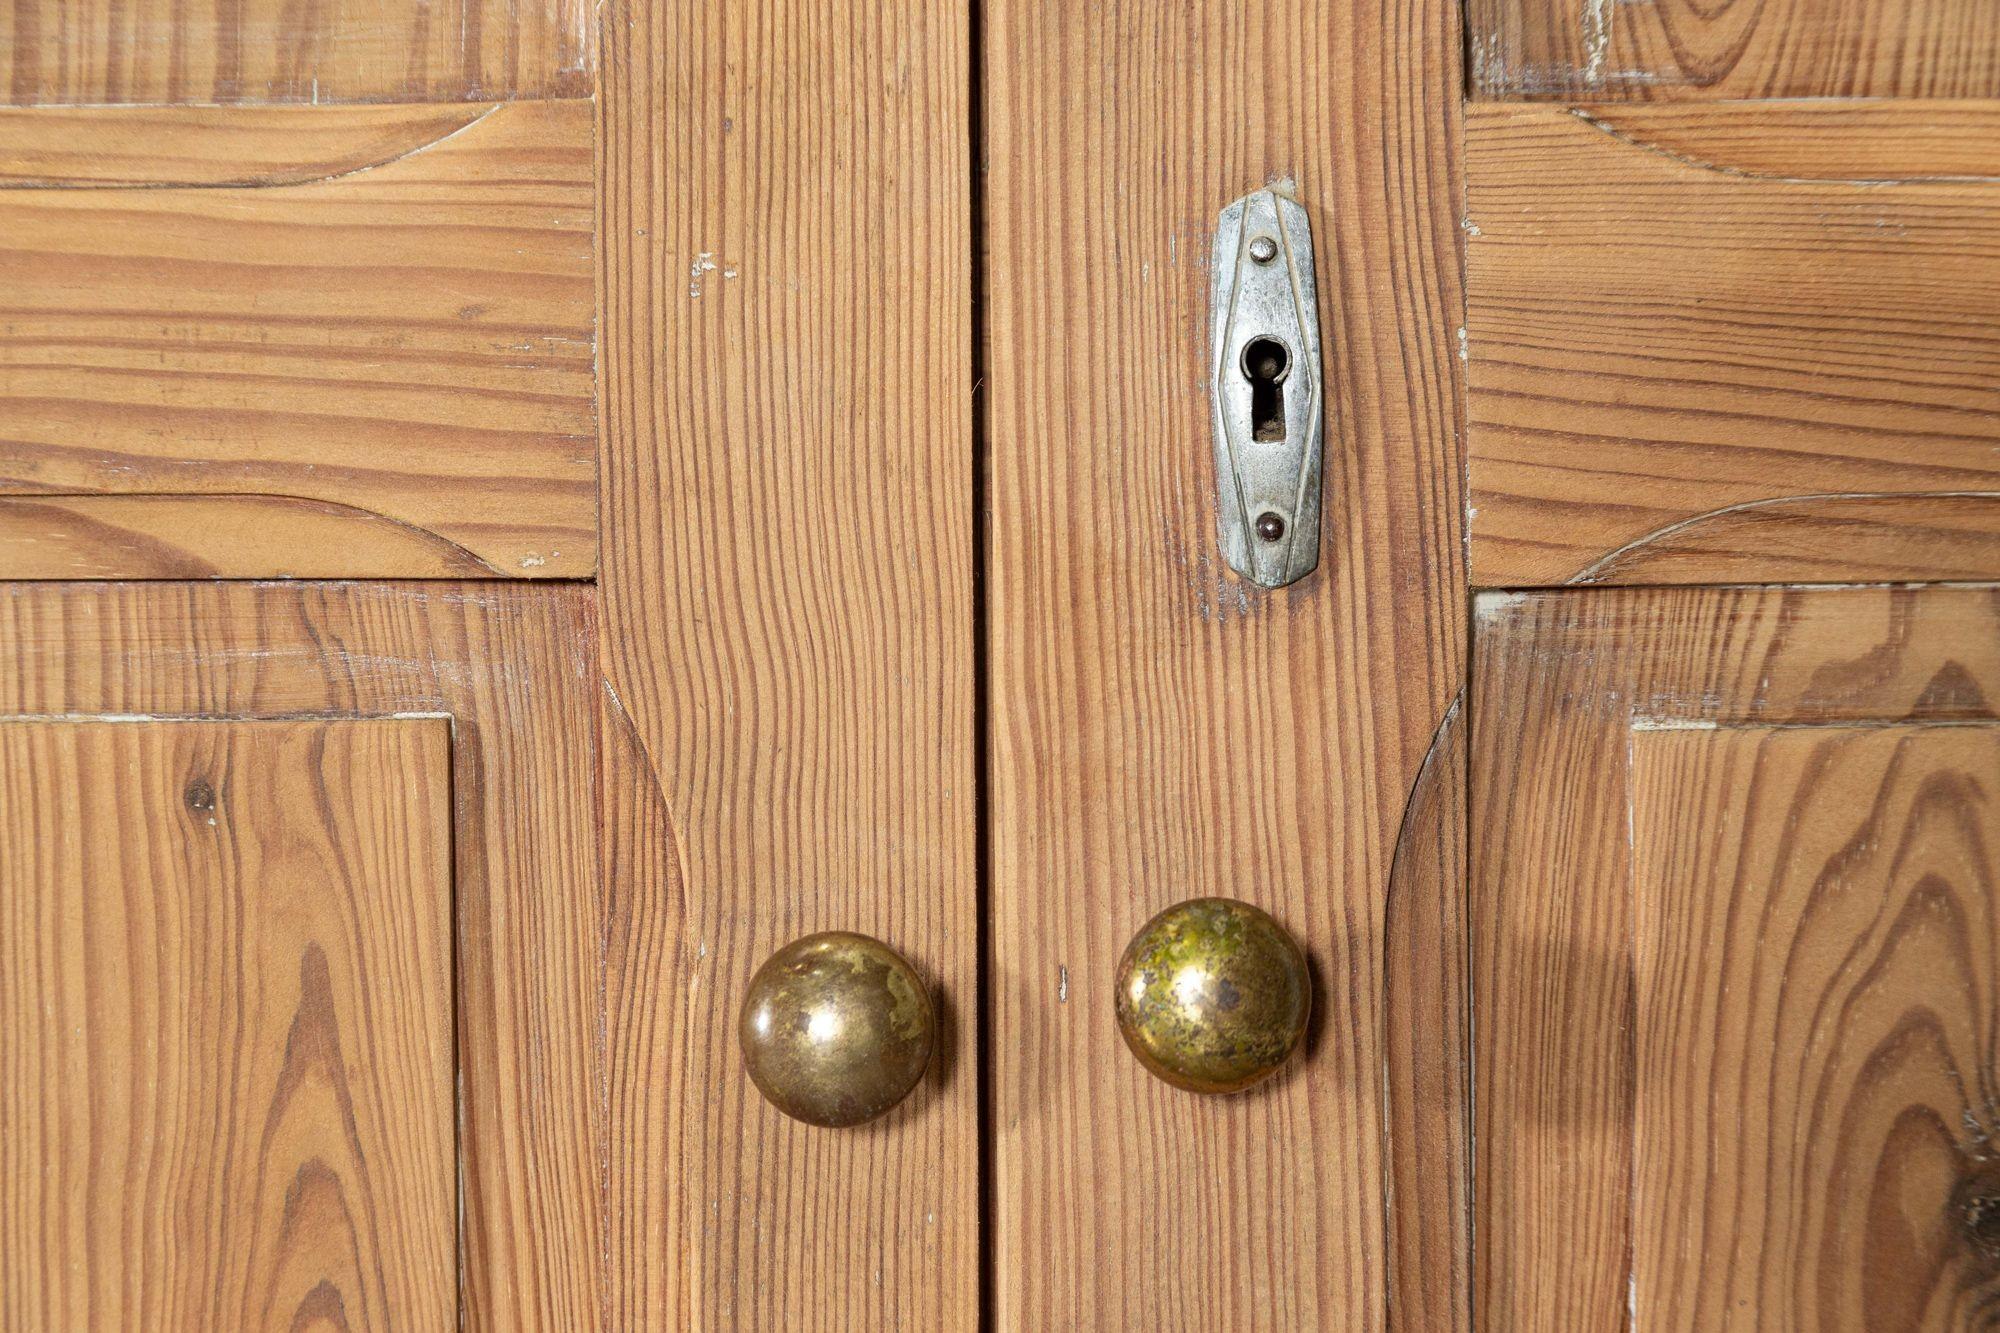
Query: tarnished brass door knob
(836, 1028)
(1213, 995)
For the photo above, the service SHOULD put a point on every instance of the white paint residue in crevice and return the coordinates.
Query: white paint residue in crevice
(1596, 40)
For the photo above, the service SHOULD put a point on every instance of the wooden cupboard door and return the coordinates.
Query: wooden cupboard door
(787, 404)
(403, 290)
(1735, 905)
(226, 1005)
(1161, 730)
(1731, 891)
(300, 951)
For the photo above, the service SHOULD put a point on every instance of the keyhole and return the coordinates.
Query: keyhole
(1266, 362)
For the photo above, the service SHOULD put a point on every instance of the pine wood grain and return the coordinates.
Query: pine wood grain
(214, 536)
(1733, 48)
(650, 983)
(225, 1025)
(1160, 730)
(1865, 140)
(1816, 916)
(72, 147)
(514, 668)
(787, 588)
(1683, 342)
(1577, 993)
(401, 348)
(244, 51)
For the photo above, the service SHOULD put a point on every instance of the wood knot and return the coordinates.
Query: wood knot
(1975, 1207)
(200, 797)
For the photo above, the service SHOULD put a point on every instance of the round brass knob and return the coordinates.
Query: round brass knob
(1213, 995)
(836, 1028)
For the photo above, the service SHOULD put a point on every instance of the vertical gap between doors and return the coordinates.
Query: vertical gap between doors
(982, 839)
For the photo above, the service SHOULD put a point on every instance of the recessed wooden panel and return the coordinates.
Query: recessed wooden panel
(785, 193)
(514, 668)
(1734, 48)
(226, 1012)
(1161, 730)
(1816, 964)
(85, 52)
(369, 354)
(1732, 901)
(1699, 352)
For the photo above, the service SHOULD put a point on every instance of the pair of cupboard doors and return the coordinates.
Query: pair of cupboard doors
(512, 510)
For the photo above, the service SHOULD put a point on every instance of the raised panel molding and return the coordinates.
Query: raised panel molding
(1733, 899)
(511, 671)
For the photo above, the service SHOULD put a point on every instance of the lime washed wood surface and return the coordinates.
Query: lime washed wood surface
(1784, 797)
(1668, 49)
(360, 346)
(1160, 730)
(1733, 343)
(787, 584)
(514, 669)
(88, 52)
(226, 1025)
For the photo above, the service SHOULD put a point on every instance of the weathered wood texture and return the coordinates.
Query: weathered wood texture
(788, 625)
(385, 369)
(1664, 49)
(86, 52)
(1690, 793)
(515, 670)
(1691, 361)
(226, 1025)
(1160, 730)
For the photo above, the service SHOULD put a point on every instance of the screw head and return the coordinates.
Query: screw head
(1270, 526)
(1263, 249)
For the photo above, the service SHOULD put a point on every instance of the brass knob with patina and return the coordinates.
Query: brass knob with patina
(836, 1028)
(1213, 995)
